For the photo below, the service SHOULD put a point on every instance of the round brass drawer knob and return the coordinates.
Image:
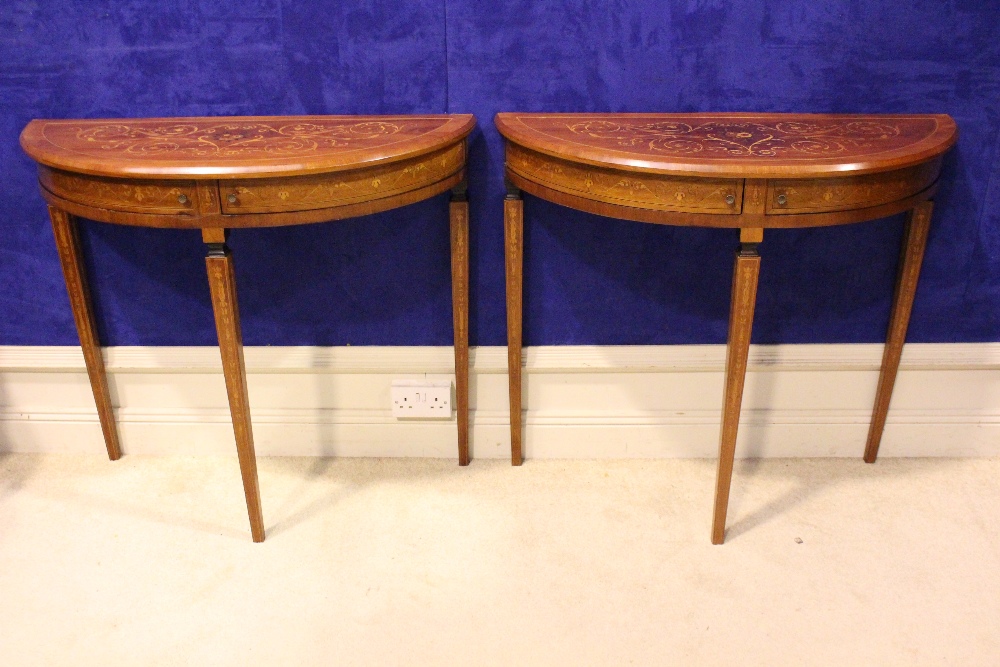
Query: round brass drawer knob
(182, 199)
(232, 199)
(782, 200)
(730, 199)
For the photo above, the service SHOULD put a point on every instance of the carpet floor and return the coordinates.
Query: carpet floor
(148, 561)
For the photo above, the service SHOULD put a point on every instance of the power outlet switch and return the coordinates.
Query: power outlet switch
(421, 399)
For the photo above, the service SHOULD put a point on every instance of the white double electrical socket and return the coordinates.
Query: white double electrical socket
(421, 399)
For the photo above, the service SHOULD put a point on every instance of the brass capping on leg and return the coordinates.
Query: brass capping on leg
(215, 238)
(218, 250)
(460, 192)
(750, 238)
(513, 192)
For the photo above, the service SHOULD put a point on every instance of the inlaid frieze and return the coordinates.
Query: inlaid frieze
(304, 193)
(140, 196)
(654, 191)
(850, 192)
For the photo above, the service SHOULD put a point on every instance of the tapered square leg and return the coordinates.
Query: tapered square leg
(67, 235)
(741, 308)
(918, 224)
(459, 215)
(513, 224)
(222, 283)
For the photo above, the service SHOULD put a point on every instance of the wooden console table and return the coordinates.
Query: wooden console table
(216, 174)
(747, 171)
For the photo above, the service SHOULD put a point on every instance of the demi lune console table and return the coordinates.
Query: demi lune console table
(217, 174)
(738, 170)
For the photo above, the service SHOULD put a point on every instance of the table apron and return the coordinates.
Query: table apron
(193, 220)
(689, 219)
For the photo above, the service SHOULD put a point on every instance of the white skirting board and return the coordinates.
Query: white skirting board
(580, 401)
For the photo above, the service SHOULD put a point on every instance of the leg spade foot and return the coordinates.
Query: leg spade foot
(71, 257)
(744, 297)
(222, 283)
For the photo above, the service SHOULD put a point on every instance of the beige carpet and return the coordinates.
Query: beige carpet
(148, 561)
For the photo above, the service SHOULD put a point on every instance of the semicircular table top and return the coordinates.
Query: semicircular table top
(735, 144)
(217, 147)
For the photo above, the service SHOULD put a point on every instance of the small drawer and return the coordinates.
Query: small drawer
(135, 196)
(787, 196)
(659, 192)
(305, 193)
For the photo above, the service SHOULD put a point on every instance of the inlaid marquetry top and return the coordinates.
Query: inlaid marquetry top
(239, 146)
(736, 144)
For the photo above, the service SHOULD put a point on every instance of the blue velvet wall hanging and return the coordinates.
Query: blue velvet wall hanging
(384, 280)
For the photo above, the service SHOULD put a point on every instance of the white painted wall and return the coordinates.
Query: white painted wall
(587, 401)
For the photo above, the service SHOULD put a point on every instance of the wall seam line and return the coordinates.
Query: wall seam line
(447, 62)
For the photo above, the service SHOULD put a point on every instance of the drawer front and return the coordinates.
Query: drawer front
(304, 193)
(640, 190)
(819, 195)
(132, 195)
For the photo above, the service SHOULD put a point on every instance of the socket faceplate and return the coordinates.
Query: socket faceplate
(421, 399)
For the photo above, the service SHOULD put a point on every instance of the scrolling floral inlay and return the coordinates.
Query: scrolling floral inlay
(232, 139)
(656, 191)
(120, 194)
(311, 192)
(735, 139)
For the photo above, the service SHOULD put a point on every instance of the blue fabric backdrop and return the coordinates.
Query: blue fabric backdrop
(384, 280)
